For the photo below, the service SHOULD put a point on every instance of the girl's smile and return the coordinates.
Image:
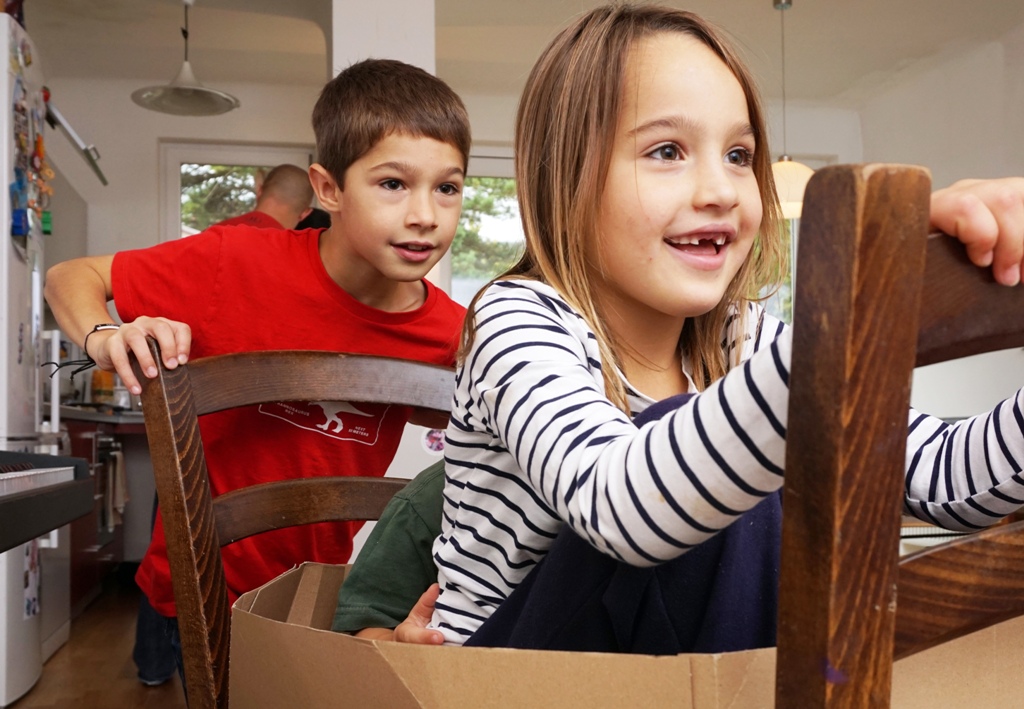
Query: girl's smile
(680, 207)
(704, 249)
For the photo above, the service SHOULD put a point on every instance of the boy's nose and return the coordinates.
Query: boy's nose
(422, 213)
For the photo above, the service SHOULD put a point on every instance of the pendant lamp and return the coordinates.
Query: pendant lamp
(790, 176)
(185, 95)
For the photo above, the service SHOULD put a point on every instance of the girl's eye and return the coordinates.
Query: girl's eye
(449, 189)
(740, 157)
(392, 185)
(667, 152)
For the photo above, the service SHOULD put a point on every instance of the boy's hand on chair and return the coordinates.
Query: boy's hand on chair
(988, 217)
(111, 352)
(414, 628)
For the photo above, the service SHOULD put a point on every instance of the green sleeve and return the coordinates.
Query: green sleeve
(395, 566)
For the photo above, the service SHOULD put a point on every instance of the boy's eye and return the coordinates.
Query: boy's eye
(741, 157)
(449, 189)
(391, 184)
(669, 151)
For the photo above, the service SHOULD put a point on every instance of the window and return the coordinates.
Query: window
(489, 237)
(213, 193)
(200, 183)
(781, 304)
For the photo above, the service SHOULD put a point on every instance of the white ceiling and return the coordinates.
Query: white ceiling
(835, 49)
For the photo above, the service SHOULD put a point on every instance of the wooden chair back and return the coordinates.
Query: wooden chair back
(876, 296)
(196, 525)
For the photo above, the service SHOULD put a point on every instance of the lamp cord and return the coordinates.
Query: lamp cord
(184, 33)
(785, 147)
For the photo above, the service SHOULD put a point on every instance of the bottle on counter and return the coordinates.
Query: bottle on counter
(102, 387)
(121, 398)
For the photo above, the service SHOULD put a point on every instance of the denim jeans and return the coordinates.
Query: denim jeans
(157, 651)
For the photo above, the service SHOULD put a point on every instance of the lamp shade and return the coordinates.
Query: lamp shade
(185, 96)
(790, 182)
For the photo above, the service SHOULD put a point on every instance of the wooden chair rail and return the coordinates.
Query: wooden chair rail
(262, 508)
(956, 588)
(261, 377)
(960, 298)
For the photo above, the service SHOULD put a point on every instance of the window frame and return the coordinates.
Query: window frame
(175, 153)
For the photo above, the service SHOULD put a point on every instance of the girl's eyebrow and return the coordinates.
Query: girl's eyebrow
(685, 124)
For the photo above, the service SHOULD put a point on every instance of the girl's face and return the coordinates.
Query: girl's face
(680, 207)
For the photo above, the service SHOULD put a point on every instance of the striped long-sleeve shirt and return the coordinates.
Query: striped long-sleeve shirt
(534, 443)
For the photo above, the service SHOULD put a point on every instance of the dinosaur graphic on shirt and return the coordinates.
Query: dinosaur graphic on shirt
(336, 419)
(332, 409)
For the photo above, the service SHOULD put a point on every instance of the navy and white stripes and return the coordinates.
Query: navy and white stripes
(534, 443)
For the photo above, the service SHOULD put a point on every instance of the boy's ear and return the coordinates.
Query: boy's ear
(328, 193)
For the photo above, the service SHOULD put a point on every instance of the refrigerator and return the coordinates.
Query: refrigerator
(34, 582)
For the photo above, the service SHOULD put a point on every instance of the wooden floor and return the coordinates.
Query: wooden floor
(94, 670)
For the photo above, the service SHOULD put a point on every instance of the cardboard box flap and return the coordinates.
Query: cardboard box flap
(316, 596)
(274, 664)
(486, 678)
(305, 595)
(278, 660)
(492, 678)
(735, 680)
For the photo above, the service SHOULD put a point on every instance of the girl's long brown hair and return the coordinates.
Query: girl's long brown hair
(564, 131)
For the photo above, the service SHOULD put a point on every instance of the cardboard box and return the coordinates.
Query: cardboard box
(283, 654)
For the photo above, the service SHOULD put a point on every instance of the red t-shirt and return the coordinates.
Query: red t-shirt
(257, 219)
(249, 289)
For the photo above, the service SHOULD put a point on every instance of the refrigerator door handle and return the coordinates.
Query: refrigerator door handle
(54, 422)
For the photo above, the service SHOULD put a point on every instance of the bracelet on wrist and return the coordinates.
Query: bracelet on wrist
(82, 364)
(96, 328)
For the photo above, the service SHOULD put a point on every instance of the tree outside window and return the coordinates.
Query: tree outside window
(213, 193)
(489, 238)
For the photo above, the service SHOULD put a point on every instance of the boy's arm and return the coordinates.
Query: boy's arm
(77, 292)
(414, 628)
(395, 567)
(988, 217)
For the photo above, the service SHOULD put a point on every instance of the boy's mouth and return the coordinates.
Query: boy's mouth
(414, 251)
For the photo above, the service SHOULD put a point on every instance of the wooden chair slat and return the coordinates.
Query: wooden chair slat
(875, 297)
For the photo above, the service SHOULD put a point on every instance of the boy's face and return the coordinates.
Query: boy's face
(396, 214)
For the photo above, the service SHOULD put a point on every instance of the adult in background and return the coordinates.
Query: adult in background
(282, 200)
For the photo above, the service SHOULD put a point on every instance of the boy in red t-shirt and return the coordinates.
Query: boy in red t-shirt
(393, 143)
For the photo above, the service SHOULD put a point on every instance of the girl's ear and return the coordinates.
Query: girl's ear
(327, 190)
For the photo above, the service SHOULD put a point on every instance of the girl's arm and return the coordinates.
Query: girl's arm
(648, 495)
(641, 495)
(966, 475)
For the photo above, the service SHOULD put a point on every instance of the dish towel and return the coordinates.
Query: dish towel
(117, 490)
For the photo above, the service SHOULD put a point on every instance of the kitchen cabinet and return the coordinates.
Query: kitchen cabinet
(97, 539)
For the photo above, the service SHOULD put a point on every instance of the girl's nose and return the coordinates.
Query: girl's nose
(715, 187)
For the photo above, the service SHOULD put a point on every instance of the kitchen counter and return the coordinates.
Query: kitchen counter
(29, 514)
(104, 415)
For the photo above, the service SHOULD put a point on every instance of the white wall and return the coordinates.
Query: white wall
(949, 118)
(815, 130)
(69, 213)
(124, 214)
(960, 115)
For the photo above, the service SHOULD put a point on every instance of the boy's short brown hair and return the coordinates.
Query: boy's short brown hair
(374, 98)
